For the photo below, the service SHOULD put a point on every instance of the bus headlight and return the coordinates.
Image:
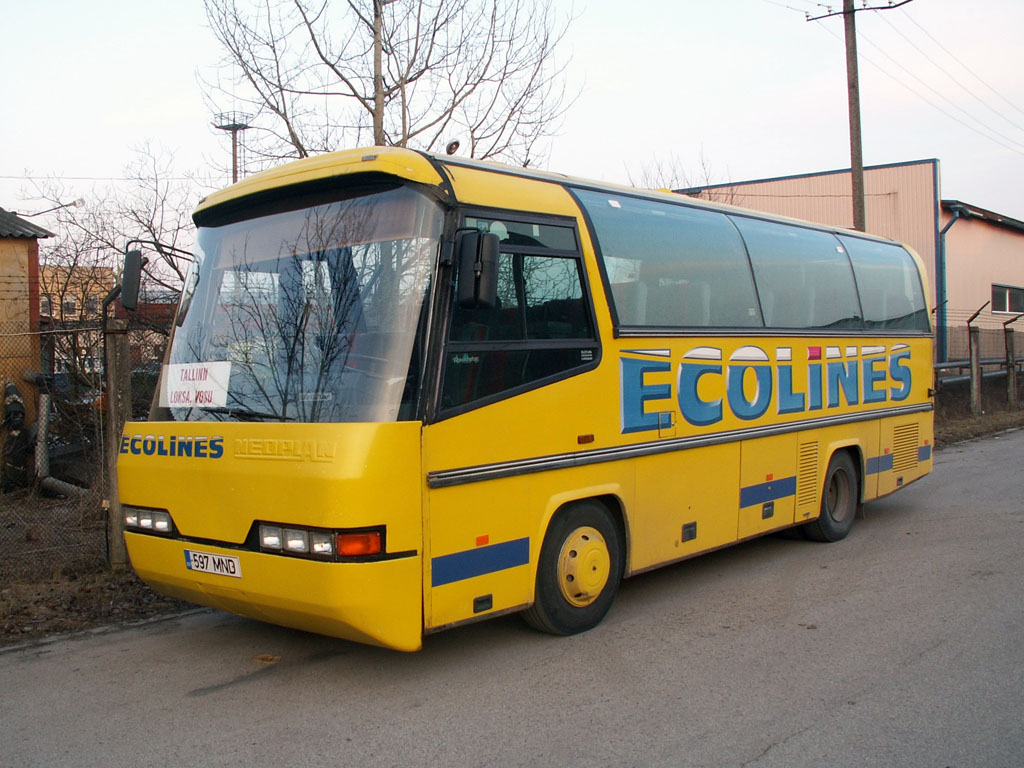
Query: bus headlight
(270, 537)
(296, 540)
(141, 519)
(321, 543)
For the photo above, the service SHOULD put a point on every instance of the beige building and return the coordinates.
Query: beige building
(19, 303)
(974, 257)
(69, 294)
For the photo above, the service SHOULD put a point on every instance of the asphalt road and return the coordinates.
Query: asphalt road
(901, 646)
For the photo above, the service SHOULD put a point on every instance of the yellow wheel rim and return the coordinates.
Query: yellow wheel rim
(584, 566)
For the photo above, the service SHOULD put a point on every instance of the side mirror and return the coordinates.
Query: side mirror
(131, 276)
(478, 269)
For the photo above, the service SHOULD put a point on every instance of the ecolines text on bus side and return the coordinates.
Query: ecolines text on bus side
(752, 383)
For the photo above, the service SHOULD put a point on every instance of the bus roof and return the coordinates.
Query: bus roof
(429, 169)
(394, 161)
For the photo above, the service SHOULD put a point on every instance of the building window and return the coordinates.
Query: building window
(70, 307)
(44, 306)
(1007, 299)
(92, 305)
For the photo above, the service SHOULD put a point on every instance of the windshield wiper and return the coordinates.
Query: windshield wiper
(244, 414)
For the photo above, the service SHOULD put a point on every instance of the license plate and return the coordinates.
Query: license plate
(207, 562)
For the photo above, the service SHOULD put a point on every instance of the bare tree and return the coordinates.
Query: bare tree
(155, 206)
(81, 264)
(672, 173)
(318, 75)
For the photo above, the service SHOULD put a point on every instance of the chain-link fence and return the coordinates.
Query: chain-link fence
(51, 435)
(53, 474)
(992, 343)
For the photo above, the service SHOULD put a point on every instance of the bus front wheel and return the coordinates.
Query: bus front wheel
(579, 570)
(839, 498)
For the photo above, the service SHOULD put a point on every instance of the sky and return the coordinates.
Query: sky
(726, 90)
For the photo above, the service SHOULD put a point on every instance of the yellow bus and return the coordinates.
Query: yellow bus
(406, 391)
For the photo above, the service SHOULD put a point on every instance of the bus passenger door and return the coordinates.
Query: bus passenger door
(511, 367)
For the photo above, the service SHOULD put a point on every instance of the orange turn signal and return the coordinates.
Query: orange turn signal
(356, 544)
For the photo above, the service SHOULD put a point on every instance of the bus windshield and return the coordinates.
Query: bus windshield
(306, 315)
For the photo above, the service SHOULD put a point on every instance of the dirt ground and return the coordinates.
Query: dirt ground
(31, 611)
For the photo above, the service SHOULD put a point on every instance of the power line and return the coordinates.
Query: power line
(57, 177)
(890, 6)
(969, 70)
(929, 101)
(786, 5)
(948, 74)
(941, 95)
(805, 10)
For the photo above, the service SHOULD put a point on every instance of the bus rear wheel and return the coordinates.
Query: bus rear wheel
(839, 498)
(579, 570)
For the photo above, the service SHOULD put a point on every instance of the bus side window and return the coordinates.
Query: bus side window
(671, 265)
(541, 329)
(630, 302)
(803, 276)
(890, 286)
(686, 303)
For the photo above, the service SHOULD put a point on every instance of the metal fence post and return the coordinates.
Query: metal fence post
(1012, 401)
(975, 345)
(119, 403)
(1011, 370)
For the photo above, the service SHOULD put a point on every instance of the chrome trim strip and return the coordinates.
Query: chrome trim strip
(631, 332)
(462, 475)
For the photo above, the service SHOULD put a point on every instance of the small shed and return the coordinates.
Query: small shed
(19, 303)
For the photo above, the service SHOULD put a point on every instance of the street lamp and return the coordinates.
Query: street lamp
(233, 122)
(73, 204)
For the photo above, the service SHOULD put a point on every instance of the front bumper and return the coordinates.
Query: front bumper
(379, 602)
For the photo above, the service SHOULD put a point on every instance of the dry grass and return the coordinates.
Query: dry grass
(30, 611)
(960, 428)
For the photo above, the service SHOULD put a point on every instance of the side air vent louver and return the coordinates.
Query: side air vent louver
(904, 447)
(807, 475)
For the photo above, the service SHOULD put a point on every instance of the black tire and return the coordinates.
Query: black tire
(840, 496)
(578, 574)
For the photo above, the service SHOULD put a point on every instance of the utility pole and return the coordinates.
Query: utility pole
(853, 96)
(853, 99)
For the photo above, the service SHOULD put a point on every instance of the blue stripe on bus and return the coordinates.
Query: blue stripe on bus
(459, 566)
(770, 491)
(878, 464)
(924, 453)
